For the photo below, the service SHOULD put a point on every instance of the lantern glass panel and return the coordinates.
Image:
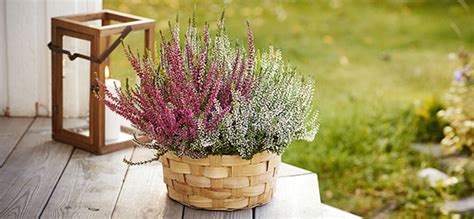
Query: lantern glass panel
(76, 90)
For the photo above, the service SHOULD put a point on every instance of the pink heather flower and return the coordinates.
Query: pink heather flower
(188, 87)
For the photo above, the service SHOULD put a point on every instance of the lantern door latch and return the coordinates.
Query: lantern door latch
(101, 58)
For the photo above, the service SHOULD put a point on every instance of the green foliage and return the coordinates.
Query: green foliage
(367, 148)
(429, 127)
(373, 154)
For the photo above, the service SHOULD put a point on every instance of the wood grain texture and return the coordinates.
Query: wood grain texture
(89, 186)
(11, 131)
(295, 197)
(28, 177)
(144, 192)
(190, 213)
(290, 170)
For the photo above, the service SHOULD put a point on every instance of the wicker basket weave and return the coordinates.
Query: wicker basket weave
(221, 182)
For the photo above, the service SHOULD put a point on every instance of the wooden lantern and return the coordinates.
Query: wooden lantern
(91, 134)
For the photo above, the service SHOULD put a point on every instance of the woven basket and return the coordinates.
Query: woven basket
(221, 182)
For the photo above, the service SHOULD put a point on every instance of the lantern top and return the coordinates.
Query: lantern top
(79, 22)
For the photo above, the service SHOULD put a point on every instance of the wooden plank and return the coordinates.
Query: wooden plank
(11, 131)
(290, 170)
(295, 197)
(28, 177)
(197, 214)
(89, 186)
(144, 193)
(326, 211)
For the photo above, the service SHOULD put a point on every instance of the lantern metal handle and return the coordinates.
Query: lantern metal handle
(102, 57)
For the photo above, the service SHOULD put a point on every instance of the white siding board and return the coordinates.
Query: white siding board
(3, 60)
(22, 55)
(25, 61)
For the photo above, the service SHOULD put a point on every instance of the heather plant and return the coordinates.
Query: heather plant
(278, 111)
(208, 96)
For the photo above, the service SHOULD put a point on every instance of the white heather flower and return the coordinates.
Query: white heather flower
(277, 111)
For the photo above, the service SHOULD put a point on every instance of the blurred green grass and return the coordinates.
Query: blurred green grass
(370, 59)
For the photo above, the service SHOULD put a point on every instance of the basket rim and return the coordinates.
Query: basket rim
(168, 153)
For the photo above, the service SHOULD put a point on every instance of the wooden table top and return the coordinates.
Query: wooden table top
(41, 178)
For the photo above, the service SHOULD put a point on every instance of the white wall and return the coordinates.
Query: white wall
(25, 87)
(3, 60)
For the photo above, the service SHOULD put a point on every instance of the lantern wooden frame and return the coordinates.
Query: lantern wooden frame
(100, 39)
